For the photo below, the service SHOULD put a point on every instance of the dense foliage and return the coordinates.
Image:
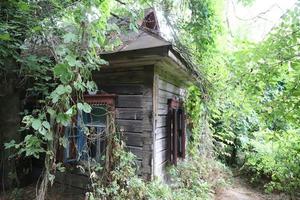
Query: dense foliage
(274, 158)
(255, 110)
(245, 103)
(53, 47)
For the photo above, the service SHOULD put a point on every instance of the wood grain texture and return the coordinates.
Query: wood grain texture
(166, 88)
(129, 113)
(130, 101)
(134, 108)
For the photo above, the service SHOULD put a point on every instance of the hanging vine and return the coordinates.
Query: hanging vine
(56, 55)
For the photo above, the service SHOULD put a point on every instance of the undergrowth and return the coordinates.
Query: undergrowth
(196, 178)
(275, 158)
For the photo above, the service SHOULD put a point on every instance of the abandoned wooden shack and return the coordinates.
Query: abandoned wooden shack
(149, 78)
(144, 85)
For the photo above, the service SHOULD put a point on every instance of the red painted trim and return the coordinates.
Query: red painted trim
(175, 137)
(176, 130)
(101, 99)
(183, 133)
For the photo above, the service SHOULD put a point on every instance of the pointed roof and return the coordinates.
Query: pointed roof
(147, 36)
(148, 41)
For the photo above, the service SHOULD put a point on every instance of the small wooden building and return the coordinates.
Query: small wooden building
(149, 79)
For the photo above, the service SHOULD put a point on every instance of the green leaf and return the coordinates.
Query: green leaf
(42, 131)
(71, 111)
(23, 6)
(51, 111)
(63, 141)
(87, 108)
(62, 72)
(71, 60)
(5, 37)
(84, 107)
(79, 85)
(63, 119)
(36, 124)
(70, 37)
(80, 106)
(48, 136)
(46, 125)
(63, 89)
(9, 145)
(91, 86)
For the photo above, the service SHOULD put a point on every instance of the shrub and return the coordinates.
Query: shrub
(275, 157)
(197, 178)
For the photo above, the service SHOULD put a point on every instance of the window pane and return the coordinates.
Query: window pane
(71, 149)
(96, 123)
(97, 117)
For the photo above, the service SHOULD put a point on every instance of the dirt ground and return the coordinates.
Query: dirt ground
(240, 190)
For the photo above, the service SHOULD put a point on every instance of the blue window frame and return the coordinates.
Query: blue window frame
(86, 140)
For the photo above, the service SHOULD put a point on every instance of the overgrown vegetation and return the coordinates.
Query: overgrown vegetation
(54, 46)
(255, 108)
(244, 109)
(273, 156)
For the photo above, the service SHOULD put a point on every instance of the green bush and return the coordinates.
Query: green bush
(275, 157)
(197, 178)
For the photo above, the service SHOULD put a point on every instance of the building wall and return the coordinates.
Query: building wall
(166, 87)
(134, 109)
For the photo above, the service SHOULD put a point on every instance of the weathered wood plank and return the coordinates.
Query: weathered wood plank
(123, 88)
(160, 132)
(161, 121)
(129, 113)
(133, 139)
(163, 111)
(166, 72)
(160, 170)
(134, 108)
(166, 94)
(135, 126)
(138, 151)
(130, 101)
(160, 157)
(132, 77)
(109, 69)
(148, 103)
(161, 145)
(165, 86)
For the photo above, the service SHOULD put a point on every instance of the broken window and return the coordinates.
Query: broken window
(86, 137)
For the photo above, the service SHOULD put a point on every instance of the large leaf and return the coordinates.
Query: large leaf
(84, 107)
(70, 37)
(36, 124)
(63, 72)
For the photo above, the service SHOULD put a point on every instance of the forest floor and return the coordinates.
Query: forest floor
(240, 189)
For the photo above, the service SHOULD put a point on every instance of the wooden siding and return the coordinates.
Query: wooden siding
(134, 107)
(165, 88)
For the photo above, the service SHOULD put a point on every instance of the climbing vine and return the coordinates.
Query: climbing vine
(55, 52)
(194, 111)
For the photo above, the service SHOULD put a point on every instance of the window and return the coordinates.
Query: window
(176, 128)
(86, 138)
